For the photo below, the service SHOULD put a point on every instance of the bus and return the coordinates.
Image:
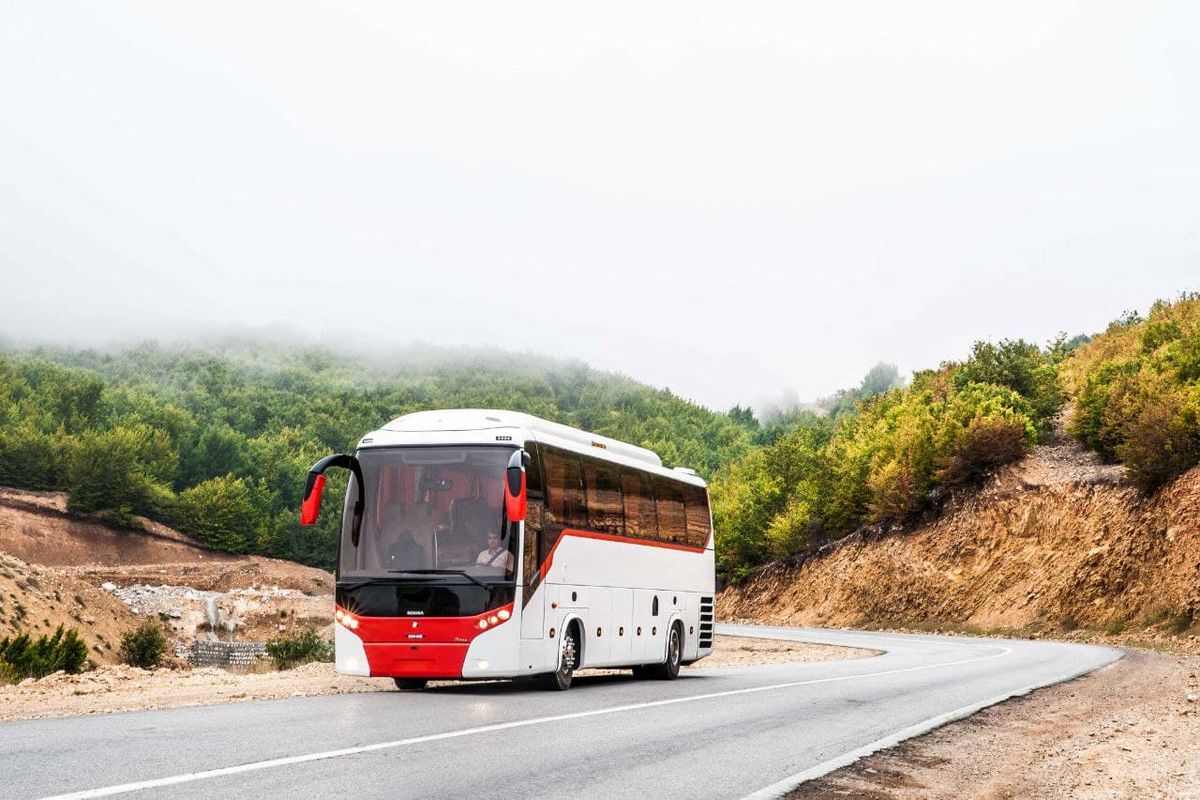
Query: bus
(480, 544)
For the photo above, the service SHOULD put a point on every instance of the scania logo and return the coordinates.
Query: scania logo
(416, 636)
(415, 613)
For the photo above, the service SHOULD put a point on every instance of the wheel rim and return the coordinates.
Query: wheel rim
(567, 665)
(673, 654)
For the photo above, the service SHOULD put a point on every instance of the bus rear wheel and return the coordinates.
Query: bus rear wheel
(410, 684)
(669, 669)
(560, 679)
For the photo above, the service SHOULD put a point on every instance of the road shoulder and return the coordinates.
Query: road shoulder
(1130, 729)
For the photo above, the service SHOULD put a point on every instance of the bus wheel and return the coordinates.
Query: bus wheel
(410, 684)
(560, 679)
(669, 669)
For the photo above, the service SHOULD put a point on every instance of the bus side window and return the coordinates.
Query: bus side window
(533, 473)
(641, 520)
(603, 482)
(672, 520)
(565, 507)
(698, 519)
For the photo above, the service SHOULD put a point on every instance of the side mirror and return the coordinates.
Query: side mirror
(314, 487)
(515, 499)
(310, 509)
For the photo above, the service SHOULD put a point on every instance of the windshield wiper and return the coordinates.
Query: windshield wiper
(363, 582)
(462, 572)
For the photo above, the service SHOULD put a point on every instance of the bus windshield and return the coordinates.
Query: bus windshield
(430, 511)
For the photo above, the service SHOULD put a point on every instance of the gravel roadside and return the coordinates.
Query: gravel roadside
(120, 688)
(1131, 729)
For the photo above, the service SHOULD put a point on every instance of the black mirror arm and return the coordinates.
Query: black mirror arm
(344, 462)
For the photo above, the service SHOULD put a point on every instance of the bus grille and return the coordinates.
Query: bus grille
(706, 622)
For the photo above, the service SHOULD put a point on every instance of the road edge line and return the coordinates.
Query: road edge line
(791, 782)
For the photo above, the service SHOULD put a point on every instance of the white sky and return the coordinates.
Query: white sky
(730, 199)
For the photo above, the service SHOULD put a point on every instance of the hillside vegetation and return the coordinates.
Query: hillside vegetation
(887, 458)
(216, 441)
(1137, 392)
(1134, 395)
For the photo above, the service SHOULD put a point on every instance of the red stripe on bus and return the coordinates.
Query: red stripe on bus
(611, 537)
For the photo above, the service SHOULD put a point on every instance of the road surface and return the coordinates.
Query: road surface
(730, 732)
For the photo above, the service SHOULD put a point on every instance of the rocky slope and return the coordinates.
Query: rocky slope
(58, 568)
(1056, 542)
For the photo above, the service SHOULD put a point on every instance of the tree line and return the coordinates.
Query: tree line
(216, 441)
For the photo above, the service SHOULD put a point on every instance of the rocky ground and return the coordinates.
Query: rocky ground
(58, 568)
(1131, 730)
(121, 688)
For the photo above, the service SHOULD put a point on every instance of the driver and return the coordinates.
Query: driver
(495, 555)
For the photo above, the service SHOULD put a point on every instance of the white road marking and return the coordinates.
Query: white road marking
(254, 766)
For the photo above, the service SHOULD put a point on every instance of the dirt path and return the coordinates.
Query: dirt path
(120, 688)
(1130, 730)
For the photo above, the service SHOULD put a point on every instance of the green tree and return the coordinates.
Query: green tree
(223, 513)
(120, 471)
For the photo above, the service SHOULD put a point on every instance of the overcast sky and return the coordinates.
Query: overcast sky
(730, 199)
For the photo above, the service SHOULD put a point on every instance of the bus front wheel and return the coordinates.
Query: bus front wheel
(410, 684)
(560, 679)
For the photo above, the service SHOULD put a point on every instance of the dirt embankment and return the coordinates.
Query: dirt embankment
(58, 568)
(1056, 542)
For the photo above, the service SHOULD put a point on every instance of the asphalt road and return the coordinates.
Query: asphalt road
(728, 732)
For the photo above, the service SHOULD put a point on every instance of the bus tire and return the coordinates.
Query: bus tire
(568, 658)
(410, 684)
(669, 669)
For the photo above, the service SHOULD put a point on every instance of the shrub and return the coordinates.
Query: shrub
(1137, 392)
(300, 648)
(25, 657)
(987, 442)
(1159, 445)
(144, 647)
(221, 512)
(1020, 366)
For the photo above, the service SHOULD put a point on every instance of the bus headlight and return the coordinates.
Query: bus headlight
(483, 623)
(503, 613)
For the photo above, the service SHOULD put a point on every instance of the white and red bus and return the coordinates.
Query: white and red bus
(493, 544)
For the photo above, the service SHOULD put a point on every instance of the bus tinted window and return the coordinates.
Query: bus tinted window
(564, 489)
(696, 505)
(672, 520)
(602, 481)
(533, 473)
(641, 521)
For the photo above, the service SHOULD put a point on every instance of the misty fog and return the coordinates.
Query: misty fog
(740, 203)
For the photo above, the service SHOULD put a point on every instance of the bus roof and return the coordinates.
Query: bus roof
(471, 419)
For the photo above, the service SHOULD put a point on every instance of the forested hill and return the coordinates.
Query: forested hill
(216, 440)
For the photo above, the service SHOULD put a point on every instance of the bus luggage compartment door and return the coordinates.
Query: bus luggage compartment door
(533, 615)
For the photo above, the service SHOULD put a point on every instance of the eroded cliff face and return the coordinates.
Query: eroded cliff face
(1058, 540)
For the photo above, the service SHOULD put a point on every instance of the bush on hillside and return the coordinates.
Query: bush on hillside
(1021, 366)
(1161, 442)
(301, 648)
(25, 657)
(880, 465)
(144, 647)
(221, 513)
(1137, 392)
